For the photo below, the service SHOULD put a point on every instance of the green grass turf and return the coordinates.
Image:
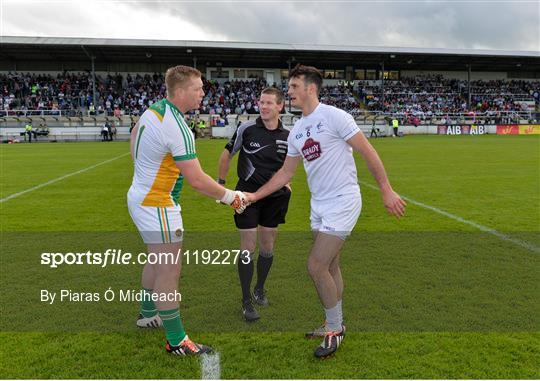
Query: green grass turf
(426, 296)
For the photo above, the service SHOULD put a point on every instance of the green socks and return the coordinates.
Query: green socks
(171, 318)
(174, 330)
(148, 307)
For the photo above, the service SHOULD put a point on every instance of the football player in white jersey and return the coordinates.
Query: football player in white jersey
(324, 139)
(163, 151)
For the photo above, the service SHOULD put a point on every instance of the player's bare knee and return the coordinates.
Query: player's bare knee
(334, 266)
(248, 240)
(248, 247)
(267, 237)
(168, 271)
(266, 246)
(315, 267)
(266, 243)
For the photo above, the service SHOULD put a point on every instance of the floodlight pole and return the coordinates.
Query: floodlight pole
(189, 51)
(92, 59)
(382, 84)
(289, 75)
(469, 86)
(94, 84)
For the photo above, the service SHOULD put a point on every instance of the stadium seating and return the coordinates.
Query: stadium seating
(66, 99)
(433, 99)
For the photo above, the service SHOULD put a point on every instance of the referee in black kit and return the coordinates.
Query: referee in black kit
(263, 146)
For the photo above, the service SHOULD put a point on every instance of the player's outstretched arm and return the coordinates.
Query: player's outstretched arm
(204, 184)
(392, 201)
(281, 177)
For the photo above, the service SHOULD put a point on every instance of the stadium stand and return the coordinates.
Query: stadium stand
(423, 97)
(343, 97)
(433, 96)
(119, 94)
(421, 87)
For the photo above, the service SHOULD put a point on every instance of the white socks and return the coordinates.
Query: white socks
(334, 317)
(340, 313)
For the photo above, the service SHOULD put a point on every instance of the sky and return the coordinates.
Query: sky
(458, 24)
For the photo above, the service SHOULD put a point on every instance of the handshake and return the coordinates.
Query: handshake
(236, 199)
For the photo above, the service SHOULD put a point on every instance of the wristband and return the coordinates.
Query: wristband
(220, 181)
(228, 197)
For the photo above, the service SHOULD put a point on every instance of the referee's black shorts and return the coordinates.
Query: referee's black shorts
(268, 212)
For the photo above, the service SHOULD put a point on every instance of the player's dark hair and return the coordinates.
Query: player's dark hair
(310, 73)
(274, 91)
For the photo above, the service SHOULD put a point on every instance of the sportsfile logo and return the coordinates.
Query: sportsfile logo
(112, 257)
(108, 258)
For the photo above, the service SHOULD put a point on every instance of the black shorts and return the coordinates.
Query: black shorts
(268, 212)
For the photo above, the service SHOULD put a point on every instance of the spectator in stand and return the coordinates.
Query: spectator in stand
(112, 131)
(395, 126)
(373, 129)
(423, 97)
(105, 132)
(29, 131)
(427, 96)
(201, 127)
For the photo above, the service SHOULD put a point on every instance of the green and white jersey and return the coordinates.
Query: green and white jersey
(162, 139)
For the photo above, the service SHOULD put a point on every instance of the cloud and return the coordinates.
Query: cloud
(508, 25)
(99, 19)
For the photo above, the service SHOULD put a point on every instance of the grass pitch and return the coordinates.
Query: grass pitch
(427, 296)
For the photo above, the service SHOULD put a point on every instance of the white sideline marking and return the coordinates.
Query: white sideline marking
(14, 195)
(504, 237)
(210, 368)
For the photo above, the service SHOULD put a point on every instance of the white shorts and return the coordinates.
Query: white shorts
(336, 216)
(157, 224)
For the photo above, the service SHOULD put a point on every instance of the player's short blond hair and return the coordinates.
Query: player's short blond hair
(178, 76)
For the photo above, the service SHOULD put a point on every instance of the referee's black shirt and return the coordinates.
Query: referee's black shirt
(262, 153)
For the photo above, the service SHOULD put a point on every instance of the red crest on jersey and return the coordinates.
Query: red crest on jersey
(311, 149)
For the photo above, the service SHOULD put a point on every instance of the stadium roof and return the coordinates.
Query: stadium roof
(270, 55)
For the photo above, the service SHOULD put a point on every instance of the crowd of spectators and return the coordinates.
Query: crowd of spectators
(133, 94)
(341, 96)
(421, 97)
(73, 93)
(232, 97)
(117, 94)
(427, 96)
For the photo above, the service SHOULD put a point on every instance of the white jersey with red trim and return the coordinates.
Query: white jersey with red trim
(321, 139)
(163, 138)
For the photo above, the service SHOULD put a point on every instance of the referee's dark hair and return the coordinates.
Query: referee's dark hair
(311, 75)
(274, 91)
